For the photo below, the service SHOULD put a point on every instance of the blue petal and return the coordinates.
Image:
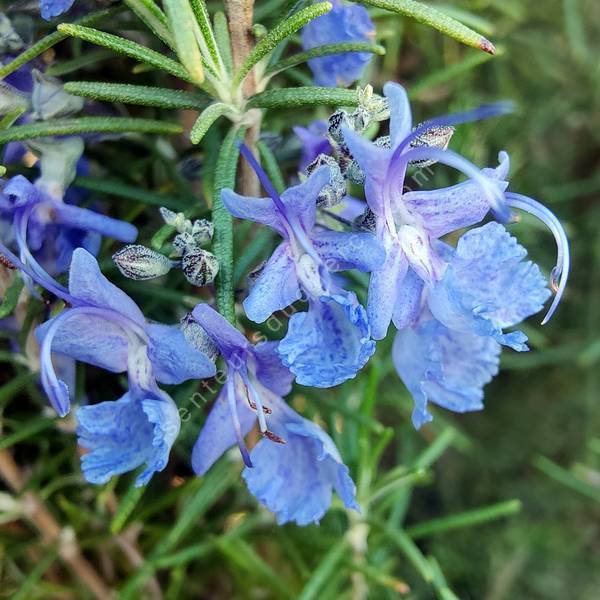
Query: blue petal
(276, 287)
(88, 220)
(295, 480)
(341, 251)
(218, 434)
(328, 344)
(54, 8)
(223, 334)
(93, 340)
(270, 371)
(301, 200)
(408, 300)
(383, 291)
(344, 23)
(400, 112)
(259, 210)
(445, 210)
(173, 359)
(487, 286)
(87, 283)
(446, 367)
(124, 434)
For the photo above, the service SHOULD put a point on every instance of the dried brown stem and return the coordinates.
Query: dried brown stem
(50, 530)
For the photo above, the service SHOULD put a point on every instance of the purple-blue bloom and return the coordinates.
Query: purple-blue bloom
(296, 465)
(104, 327)
(343, 23)
(314, 142)
(448, 350)
(407, 224)
(54, 8)
(331, 342)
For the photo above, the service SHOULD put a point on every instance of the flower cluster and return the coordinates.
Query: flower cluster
(438, 266)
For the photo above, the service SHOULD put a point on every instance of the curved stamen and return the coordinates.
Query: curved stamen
(42, 277)
(560, 273)
(293, 227)
(493, 193)
(477, 114)
(56, 389)
(236, 421)
(48, 284)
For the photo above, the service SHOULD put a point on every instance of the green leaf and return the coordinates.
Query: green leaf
(203, 20)
(303, 96)
(281, 31)
(129, 192)
(464, 519)
(126, 507)
(87, 125)
(126, 47)
(25, 431)
(326, 568)
(65, 67)
(567, 478)
(154, 18)
(271, 166)
(49, 41)
(222, 247)
(136, 94)
(223, 40)
(11, 297)
(207, 117)
(436, 19)
(326, 50)
(182, 23)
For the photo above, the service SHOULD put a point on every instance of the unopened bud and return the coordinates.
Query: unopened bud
(10, 40)
(436, 137)
(199, 266)
(332, 193)
(12, 100)
(49, 99)
(202, 231)
(177, 220)
(140, 263)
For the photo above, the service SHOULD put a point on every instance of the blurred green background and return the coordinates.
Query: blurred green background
(502, 504)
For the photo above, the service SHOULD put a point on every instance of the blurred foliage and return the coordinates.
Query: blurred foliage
(434, 497)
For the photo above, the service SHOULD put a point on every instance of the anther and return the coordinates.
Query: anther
(7, 263)
(266, 409)
(273, 437)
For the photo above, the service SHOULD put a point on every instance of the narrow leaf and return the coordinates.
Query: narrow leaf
(223, 40)
(87, 125)
(324, 571)
(182, 24)
(129, 192)
(126, 507)
(464, 519)
(153, 17)
(207, 117)
(303, 96)
(203, 20)
(286, 28)
(326, 50)
(436, 19)
(136, 94)
(567, 478)
(222, 247)
(271, 166)
(125, 47)
(49, 41)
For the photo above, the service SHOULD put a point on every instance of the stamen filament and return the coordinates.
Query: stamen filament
(560, 273)
(236, 421)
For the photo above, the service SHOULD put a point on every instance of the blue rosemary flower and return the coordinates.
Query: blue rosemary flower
(54, 8)
(296, 465)
(343, 23)
(104, 327)
(449, 350)
(331, 342)
(408, 223)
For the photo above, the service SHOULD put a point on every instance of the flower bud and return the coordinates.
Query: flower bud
(199, 266)
(49, 99)
(335, 190)
(202, 231)
(177, 220)
(140, 263)
(11, 99)
(436, 137)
